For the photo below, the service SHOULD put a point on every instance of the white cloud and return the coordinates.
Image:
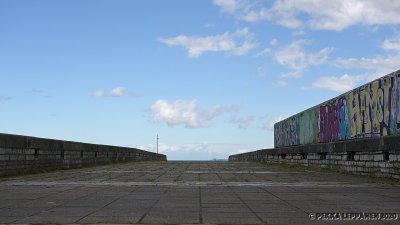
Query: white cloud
(381, 64)
(273, 42)
(280, 84)
(226, 42)
(270, 124)
(186, 112)
(5, 98)
(99, 94)
(209, 25)
(326, 15)
(294, 57)
(205, 148)
(392, 44)
(243, 122)
(260, 71)
(134, 95)
(117, 92)
(244, 48)
(299, 32)
(320, 57)
(263, 52)
(37, 91)
(339, 84)
(228, 6)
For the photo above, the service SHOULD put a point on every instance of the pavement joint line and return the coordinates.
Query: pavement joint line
(239, 172)
(378, 194)
(248, 207)
(338, 192)
(308, 194)
(36, 213)
(105, 205)
(190, 183)
(238, 176)
(155, 203)
(162, 174)
(285, 201)
(200, 208)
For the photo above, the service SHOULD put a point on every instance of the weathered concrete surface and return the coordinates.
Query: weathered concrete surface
(192, 193)
(378, 156)
(24, 154)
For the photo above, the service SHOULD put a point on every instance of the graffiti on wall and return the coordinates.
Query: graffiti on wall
(333, 121)
(370, 110)
(308, 126)
(286, 132)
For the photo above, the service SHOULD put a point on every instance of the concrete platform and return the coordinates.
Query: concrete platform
(195, 193)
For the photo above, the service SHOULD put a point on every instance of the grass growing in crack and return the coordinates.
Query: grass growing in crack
(219, 177)
(154, 179)
(34, 171)
(45, 223)
(178, 177)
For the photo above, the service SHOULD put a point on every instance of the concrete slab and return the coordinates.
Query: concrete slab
(192, 193)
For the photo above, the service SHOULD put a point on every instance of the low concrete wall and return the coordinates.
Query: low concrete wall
(23, 154)
(377, 156)
(371, 110)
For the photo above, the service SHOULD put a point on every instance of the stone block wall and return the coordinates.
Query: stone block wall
(23, 154)
(376, 156)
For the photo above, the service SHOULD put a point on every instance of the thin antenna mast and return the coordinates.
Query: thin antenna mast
(157, 143)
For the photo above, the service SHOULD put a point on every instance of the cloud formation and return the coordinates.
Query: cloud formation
(380, 66)
(116, 92)
(321, 15)
(36, 91)
(209, 148)
(186, 112)
(269, 125)
(339, 84)
(263, 52)
(295, 58)
(280, 84)
(5, 98)
(242, 122)
(226, 42)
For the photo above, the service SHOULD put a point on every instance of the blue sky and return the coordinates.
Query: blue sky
(210, 77)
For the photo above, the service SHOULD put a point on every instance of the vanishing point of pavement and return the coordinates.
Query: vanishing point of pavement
(192, 193)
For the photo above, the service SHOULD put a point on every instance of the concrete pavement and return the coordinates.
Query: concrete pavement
(195, 193)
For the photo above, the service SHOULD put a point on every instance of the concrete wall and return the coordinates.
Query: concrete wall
(372, 110)
(23, 154)
(377, 156)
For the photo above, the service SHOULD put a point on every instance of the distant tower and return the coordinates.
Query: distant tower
(157, 143)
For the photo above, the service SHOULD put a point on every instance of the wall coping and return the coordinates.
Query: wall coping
(21, 141)
(372, 144)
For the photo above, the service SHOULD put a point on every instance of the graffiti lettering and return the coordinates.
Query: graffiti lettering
(370, 110)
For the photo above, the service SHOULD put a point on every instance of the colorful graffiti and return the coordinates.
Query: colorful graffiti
(370, 110)
(308, 126)
(286, 132)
